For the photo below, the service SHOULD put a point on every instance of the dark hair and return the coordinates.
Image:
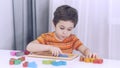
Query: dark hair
(65, 13)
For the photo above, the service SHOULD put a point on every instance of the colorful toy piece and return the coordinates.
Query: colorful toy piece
(54, 63)
(30, 64)
(13, 61)
(59, 63)
(98, 61)
(16, 62)
(62, 55)
(25, 64)
(22, 58)
(13, 53)
(48, 61)
(70, 55)
(26, 52)
(81, 58)
(91, 60)
(19, 53)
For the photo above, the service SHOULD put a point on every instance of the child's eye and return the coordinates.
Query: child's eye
(69, 29)
(62, 28)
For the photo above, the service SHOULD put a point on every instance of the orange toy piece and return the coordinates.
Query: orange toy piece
(22, 58)
(81, 58)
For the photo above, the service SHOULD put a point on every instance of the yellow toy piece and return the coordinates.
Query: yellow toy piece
(87, 60)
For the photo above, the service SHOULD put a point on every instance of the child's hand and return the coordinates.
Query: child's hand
(91, 55)
(55, 51)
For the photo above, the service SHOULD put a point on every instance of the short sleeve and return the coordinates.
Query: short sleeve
(41, 39)
(76, 43)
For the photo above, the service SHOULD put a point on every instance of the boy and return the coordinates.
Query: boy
(61, 40)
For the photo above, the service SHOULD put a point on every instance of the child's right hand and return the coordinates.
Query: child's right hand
(55, 51)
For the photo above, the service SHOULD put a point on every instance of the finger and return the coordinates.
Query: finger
(57, 53)
(90, 55)
(52, 53)
(87, 56)
(94, 55)
(60, 52)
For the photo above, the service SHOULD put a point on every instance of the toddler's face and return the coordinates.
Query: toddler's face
(63, 29)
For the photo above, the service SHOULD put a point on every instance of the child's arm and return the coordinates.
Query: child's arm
(86, 51)
(35, 46)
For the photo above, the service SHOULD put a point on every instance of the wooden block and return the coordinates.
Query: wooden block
(26, 52)
(25, 64)
(13, 53)
(21, 58)
(59, 63)
(81, 58)
(11, 61)
(62, 55)
(32, 65)
(47, 61)
(92, 59)
(87, 60)
(98, 61)
(19, 53)
(16, 62)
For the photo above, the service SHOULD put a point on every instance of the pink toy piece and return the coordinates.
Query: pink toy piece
(13, 53)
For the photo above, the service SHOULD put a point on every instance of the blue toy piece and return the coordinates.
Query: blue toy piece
(59, 63)
(62, 55)
(32, 65)
(62, 62)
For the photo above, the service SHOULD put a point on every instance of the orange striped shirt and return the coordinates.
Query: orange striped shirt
(67, 45)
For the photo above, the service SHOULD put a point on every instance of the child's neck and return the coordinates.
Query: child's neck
(57, 37)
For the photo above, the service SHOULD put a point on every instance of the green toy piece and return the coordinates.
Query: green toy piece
(47, 61)
(16, 62)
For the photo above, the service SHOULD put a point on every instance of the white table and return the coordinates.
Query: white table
(5, 57)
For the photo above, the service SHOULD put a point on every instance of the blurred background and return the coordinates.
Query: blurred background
(22, 21)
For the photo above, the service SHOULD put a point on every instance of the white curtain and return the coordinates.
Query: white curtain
(93, 27)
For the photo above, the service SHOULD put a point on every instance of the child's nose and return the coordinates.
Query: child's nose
(64, 32)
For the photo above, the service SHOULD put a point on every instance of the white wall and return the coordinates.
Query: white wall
(6, 24)
(114, 29)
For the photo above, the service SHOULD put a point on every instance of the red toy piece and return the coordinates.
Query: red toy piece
(26, 52)
(98, 61)
(25, 64)
(11, 62)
